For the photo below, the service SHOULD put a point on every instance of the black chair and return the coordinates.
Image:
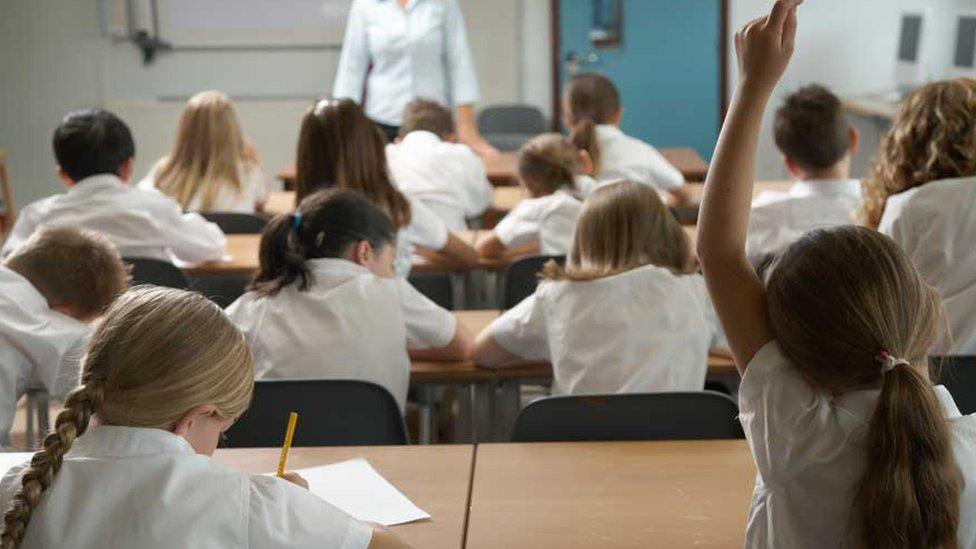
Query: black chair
(331, 413)
(437, 286)
(159, 273)
(522, 277)
(221, 289)
(507, 127)
(237, 223)
(958, 374)
(701, 415)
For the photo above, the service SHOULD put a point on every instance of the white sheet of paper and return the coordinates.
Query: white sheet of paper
(9, 459)
(356, 488)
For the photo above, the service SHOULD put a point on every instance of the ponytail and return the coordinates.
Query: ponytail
(583, 137)
(909, 493)
(547, 163)
(281, 256)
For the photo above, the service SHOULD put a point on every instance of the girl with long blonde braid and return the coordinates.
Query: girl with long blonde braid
(128, 462)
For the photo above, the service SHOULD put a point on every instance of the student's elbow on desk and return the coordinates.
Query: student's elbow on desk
(460, 251)
(459, 348)
(489, 354)
(384, 538)
(490, 246)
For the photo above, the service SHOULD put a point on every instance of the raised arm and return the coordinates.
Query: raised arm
(764, 47)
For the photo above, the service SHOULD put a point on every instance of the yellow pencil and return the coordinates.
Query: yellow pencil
(289, 433)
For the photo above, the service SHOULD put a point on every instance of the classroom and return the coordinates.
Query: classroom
(488, 273)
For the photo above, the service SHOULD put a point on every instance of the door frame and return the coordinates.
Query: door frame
(556, 63)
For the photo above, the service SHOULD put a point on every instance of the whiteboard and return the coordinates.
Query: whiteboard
(252, 23)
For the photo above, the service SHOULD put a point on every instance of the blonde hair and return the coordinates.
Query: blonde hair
(837, 300)
(157, 354)
(208, 153)
(547, 163)
(932, 138)
(71, 267)
(623, 226)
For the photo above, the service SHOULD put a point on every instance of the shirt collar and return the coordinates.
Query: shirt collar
(608, 130)
(119, 441)
(826, 187)
(95, 183)
(421, 137)
(335, 266)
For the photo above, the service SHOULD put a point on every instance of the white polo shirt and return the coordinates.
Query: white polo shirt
(141, 223)
(147, 488)
(351, 324)
(548, 220)
(779, 219)
(936, 226)
(426, 230)
(39, 347)
(253, 192)
(809, 453)
(447, 177)
(625, 157)
(644, 330)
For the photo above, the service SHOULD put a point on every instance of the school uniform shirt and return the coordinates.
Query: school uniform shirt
(351, 324)
(447, 177)
(147, 488)
(39, 347)
(780, 219)
(425, 230)
(141, 223)
(254, 191)
(644, 330)
(936, 226)
(809, 453)
(548, 220)
(625, 157)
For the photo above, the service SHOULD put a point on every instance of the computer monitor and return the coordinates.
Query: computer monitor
(964, 53)
(909, 73)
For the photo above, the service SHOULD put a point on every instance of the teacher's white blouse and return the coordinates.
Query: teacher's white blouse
(418, 52)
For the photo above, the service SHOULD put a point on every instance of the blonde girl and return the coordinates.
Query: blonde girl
(212, 167)
(128, 462)
(549, 172)
(853, 445)
(627, 314)
(921, 191)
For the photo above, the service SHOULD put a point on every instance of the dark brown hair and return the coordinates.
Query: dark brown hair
(590, 99)
(837, 299)
(339, 147)
(547, 163)
(811, 129)
(426, 115)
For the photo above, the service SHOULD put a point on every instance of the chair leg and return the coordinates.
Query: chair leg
(426, 405)
(463, 423)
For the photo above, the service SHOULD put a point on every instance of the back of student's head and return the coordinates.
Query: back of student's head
(207, 153)
(427, 115)
(92, 142)
(933, 137)
(590, 99)
(547, 163)
(623, 226)
(839, 301)
(339, 146)
(325, 225)
(811, 129)
(76, 270)
(156, 355)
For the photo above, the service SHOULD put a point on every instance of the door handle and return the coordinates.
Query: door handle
(574, 59)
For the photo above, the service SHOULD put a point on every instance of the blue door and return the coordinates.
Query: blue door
(668, 67)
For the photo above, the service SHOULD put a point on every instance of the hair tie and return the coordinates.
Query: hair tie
(888, 362)
(296, 221)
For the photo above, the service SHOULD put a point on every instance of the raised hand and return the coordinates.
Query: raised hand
(765, 45)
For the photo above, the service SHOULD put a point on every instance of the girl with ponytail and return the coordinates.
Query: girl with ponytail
(325, 303)
(592, 113)
(853, 445)
(128, 462)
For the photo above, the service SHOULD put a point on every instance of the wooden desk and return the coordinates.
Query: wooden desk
(241, 258)
(687, 161)
(872, 106)
(610, 494)
(436, 478)
(504, 199)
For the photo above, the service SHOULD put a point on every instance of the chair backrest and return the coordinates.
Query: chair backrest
(221, 289)
(437, 286)
(522, 277)
(331, 413)
(237, 223)
(518, 119)
(700, 415)
(159, 273)
(958, 374)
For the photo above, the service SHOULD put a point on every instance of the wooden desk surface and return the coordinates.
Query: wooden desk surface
(687, 161)
(697, 190)
(611, 494)
(241, 257)
(503, 201)
(436, 478)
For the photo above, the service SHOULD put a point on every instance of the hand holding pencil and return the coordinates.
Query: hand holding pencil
(292, 477)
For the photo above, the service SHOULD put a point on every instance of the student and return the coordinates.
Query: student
(625, 315)
(592, 113)
(921, 191)
(50, 288)
(326, 304)
(212, 167)
(544, 223)
(128, 462)
(428, 164)
(853, 445)
(817, 143)
(94, 150)
(339, 147)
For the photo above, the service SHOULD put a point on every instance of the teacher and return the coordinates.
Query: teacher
(401, 50)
